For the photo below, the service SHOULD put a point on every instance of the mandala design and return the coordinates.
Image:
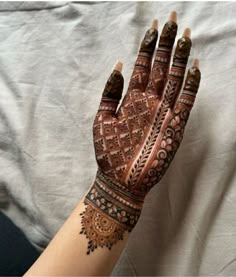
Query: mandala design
(99, 230)
(135, 143)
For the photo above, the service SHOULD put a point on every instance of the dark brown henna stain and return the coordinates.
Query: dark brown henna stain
(110, 211)
(114, 86)
(160, 67)
(168, 147)
(142, 67)
(134, 117)
(177, 71)
(168, 35)
(192, 82)
(193, 79)
(182, 50)
(149, 42)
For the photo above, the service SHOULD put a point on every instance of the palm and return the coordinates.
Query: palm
(136, 144)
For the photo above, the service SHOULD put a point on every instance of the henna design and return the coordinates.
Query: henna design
(142, 67)
(193, 80)
(191, 87)
(167, 38)
(158, 76)
(128, 131)
(149, 41)
(114, 86)
(167, 149)
(108, 213)
(99, 230)
(182, 51)
(135, 144)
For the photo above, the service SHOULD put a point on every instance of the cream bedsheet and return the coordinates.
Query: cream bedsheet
(55, 58)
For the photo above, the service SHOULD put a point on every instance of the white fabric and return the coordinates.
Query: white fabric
(55, 58)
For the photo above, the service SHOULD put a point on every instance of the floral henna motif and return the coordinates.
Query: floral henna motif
(135, 144)
(167, 149)
(170, 141)
(100, 230)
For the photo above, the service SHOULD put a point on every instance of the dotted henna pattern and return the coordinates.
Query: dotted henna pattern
(135, 144)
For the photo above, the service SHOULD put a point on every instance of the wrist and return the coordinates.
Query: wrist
(111, 210)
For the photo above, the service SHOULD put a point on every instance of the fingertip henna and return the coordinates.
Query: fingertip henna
(177, 71)
(114, 86)
(159, 72)
(143, 62)
(182, 51)
(188, 95)
(168, 34)
(193, 79)
(149, 42)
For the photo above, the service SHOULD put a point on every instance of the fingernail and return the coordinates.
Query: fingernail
(118, 66)
(187, 33)
(173, 16)
(196, 63)
(155, 23)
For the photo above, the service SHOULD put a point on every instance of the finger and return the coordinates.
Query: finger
(161, 63)
(177, 71)
(188, 95)
(112, 92)
(140, 75)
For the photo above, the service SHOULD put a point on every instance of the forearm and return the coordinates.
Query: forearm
(67, 252)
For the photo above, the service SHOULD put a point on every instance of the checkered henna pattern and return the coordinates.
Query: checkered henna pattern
(135, 143)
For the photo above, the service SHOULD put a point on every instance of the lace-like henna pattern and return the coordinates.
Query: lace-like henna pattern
(99, 230)
(135, 144)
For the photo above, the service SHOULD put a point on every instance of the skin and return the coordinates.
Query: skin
(74, 250)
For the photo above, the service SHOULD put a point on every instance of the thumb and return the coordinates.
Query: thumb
(113, 91)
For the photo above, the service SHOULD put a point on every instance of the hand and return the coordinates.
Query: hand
(135, 144)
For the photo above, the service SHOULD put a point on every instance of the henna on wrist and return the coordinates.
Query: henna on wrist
(111, 209)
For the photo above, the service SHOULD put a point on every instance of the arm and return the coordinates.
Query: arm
(134, 146)
(66, 255)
